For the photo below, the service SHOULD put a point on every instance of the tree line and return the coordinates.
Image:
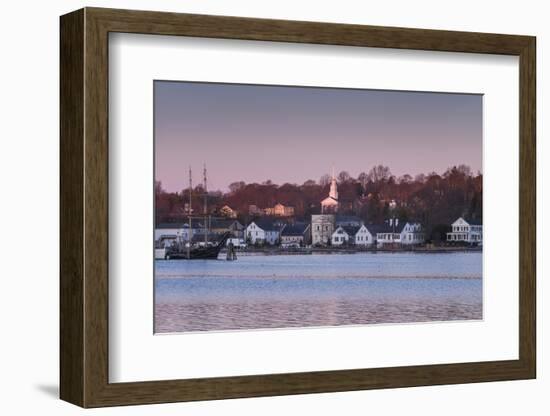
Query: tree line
(433, 199)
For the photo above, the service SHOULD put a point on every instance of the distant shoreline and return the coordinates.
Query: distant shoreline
(266, 251)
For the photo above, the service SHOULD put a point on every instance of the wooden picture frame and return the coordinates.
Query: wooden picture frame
(84, 207)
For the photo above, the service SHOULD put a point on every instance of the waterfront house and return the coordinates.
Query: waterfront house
(295, 235)
(464, 231)
(322, 227)
(363, 237)
(401, 233)
(254, 233)
(264, 231)
(389, 233)
(412, 234)
(352, 235)
(227, 211)
(344, 235)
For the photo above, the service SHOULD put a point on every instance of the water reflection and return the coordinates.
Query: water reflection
(302, 291)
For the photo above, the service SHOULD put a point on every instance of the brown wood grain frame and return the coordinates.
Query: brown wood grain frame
(84, 216)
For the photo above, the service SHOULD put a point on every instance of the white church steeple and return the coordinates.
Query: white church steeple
(330, 204)
(333, 187)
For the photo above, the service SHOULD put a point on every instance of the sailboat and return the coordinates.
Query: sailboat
(206, 250)
(197, 253)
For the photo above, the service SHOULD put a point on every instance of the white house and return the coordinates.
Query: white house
(395, 232)
(412, 234)
(363, 237)
(466, 231)
(343, 235)
(295, 235)
(322, 227)
(254, 233)
(263, 231)
(388, 233)
(353, 235)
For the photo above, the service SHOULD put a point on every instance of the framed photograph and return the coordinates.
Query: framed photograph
(255, 207)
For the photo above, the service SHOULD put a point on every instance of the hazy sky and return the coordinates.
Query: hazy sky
(290, 134)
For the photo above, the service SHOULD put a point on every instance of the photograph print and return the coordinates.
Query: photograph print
(294, 207)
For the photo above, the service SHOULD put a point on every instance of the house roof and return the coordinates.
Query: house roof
(297, 229)
(386, 227)
(350, 230)
(469, 222)
(343, 219)
(268, 224)
(375, 228)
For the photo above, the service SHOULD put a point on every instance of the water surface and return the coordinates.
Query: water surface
(316, 290)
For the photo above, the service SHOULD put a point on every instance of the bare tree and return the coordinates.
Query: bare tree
(465, 170)
(236, 186)
(379, 173)
(344, 177)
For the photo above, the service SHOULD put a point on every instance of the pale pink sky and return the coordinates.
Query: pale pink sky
(290, 134)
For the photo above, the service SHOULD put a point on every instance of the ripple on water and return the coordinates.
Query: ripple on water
(305, 291)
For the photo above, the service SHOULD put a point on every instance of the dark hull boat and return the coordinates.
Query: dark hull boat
(198, 253)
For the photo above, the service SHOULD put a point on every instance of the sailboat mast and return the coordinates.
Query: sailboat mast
(206, 226)
(189, 214)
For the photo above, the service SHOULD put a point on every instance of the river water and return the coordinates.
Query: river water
(282, 291)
